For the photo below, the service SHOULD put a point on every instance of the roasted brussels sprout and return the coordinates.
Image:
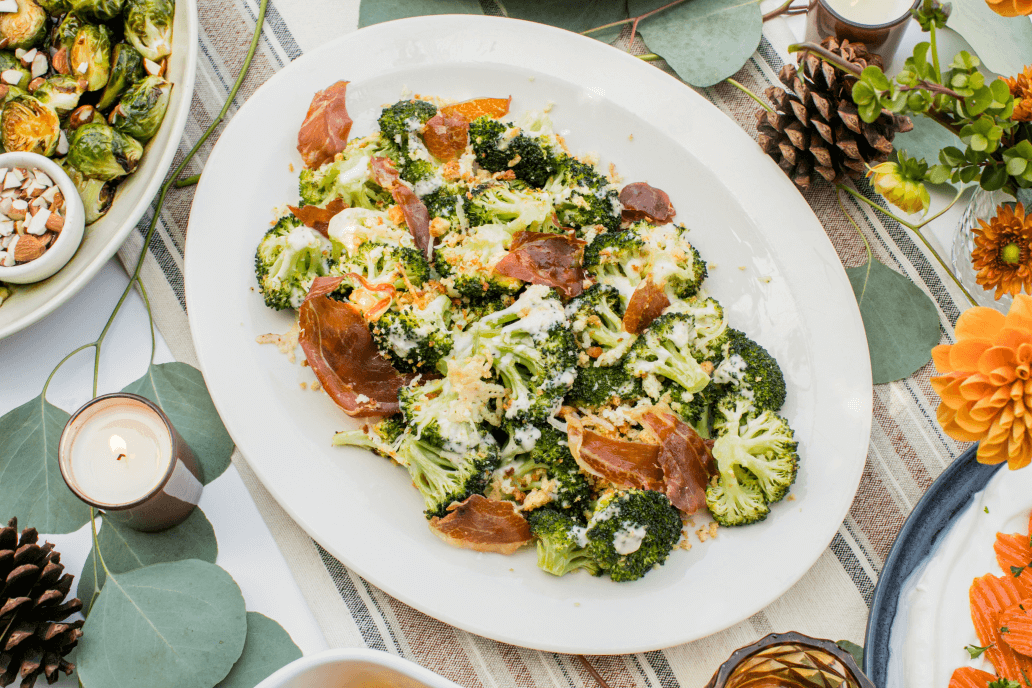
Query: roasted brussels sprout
(9, 62)
(61, 92)
(126, 70)
(66, 31)
(55, 7)
(148, 26)
(90, 56)
(12, 93)
(101, 10)
(141, 109)
(96, 194)
(29, 125)
(25, 28)
(100, 152)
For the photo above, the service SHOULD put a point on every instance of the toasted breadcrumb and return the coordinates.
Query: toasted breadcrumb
(303, 385)
(286, 342)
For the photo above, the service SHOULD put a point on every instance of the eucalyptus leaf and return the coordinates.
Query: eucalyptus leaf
(31, 486)
(572, 16)
(268, 647)
(125, 549)
(704, 41)
(180, 392)
(179, 624)
(1003, 44)
(378, 11)
(902, 323)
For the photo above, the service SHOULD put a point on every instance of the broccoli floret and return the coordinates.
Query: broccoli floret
(531, 158)
(756, 458)
(380, 437)
(562, 545)
(511, 205)
(415, 338)
(444, 477)
(596, 318)
(598, 387)
(288, 259)
(348, 178)
(709, 327)
(417, 170)
(383, 263)
(544, 462)
(632, 531)
(694, 408)
(748, 369)
(672, 261)
(583, 197)
(404, 117)
(662, 352)
(616, 259)
(442, 201)
(470, 264)
(531, 350)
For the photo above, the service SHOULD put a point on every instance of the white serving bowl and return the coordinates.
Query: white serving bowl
(357, 668)
(62, 250)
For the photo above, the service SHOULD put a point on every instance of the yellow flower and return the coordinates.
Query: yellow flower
(986, 383)
(908, 195)
(1010, 8)
(1003, 252)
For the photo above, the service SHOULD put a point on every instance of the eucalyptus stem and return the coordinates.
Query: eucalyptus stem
(749, 93)
(188, 181)
(785, 8)
(825, 55)
(150, 319)
(916, 229)
(96, 548)
(935, 53)
(863, 237)
(633, 21)
(649, 57)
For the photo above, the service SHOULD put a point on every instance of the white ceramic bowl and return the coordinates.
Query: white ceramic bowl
(102, 239)
(62, 250)
(354, 669)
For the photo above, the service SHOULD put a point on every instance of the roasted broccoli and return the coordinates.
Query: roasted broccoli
(616, 259)
(662, 352)
(531, 350)
(695, 408)
(543, 462)
(445, 202)
(383, 263)
(415, 336)
(632, 531)
(500, 146)
(756, 459)
(381, 437)
(671, 261)
(583, 197)
(596, 318)
(748, 369)
(404, 117)
(562, 545)
(287, 261)
(513, 206)
(348, 178)
(469, 264)
(598, 387)
(416, 170)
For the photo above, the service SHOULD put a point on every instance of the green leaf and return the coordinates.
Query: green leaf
(268, 647)
(1016, 166)
(180, 392)
(993, 177)
(183, 622)
(377, 11)
(979, 102)
(876, 78)
(31, 486)
(863, 93)
(869, 111)
(902, 323)
(705, 41)
(1004, 45)
(852, 648)
(125, 549)
(572, 16)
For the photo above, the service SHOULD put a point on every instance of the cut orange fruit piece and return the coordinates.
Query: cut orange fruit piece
(1014, 555)
(967, 677)
(990, 596)
(1016, 627)
(478, 107)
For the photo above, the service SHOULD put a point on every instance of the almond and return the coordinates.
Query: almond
(28, 248)
(81, 115)
(60, 61)
(55, 223)
(36, 83)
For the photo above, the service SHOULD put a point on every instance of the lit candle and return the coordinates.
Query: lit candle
(878, 24)
(871, 12)
(121, 454)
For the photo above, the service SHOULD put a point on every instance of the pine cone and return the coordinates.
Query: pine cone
(33, 641)
(816, 126)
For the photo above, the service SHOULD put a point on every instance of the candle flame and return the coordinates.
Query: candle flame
(118, 446)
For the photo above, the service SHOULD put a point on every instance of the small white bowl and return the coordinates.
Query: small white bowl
(68, 240)
(354, 669)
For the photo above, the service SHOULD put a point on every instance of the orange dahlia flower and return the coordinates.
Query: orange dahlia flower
(1002, 255)
(1021, 88)
(1010, 8)
(986, 383)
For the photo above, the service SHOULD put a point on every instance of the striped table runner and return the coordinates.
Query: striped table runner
(907, 451)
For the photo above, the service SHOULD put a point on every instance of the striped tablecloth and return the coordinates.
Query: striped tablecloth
(907, 450)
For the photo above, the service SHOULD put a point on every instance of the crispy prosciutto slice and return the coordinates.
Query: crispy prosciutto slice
(417, 217)
(641, 201)
(325, 130)
(625, 464)
(446, 136)
(645, 305)
(319, 218)
(384, 172)
(685, 459)
(550, 259)
(341, 352)
(478, 107)
(484, 525)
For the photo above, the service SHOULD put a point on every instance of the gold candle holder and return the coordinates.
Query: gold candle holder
(878, 24)
(121, 454)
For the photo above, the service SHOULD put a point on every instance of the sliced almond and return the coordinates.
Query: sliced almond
(20, 52)
(62, 144)
(38, 224)
(12, 76)
(82, 67)
(28, 248)
(18, 210)
(84, 114)
(48, 238)
(39, 65)
(152, 68)
(61, 61)
(55, 223)
(13, 179)
(36, 83)
(27, 56)
(42, 178)
(8, 5)
(6, 228)
(50, 193)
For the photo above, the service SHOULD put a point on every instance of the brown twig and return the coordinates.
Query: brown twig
(786, 8)
(633, 21)
(591, 670)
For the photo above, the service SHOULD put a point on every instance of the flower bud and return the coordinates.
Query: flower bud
(907, 194)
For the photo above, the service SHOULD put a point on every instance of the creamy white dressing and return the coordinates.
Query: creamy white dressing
(729, 370)
(298, 239)
(627, 540)
(425, 187)
(352, 227)
(933, 620)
